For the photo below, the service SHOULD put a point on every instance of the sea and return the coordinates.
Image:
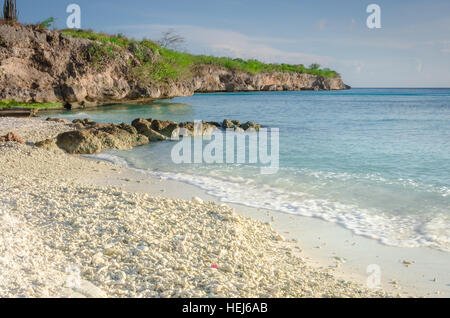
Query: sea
(375, 161)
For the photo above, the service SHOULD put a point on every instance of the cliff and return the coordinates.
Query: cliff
(47, 66)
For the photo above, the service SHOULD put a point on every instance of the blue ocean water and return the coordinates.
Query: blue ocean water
(376, 161)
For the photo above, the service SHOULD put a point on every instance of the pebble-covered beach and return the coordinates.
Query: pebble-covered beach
(60, 237)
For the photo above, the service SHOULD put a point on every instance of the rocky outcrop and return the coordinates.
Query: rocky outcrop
(45, 66)
(236, 125)
(214, 79)
(92, 137)
(94, 140)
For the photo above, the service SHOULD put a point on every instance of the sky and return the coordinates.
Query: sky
(411, 49)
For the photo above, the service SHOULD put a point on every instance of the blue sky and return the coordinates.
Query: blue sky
(412, 49)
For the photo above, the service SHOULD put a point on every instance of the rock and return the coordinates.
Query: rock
(102, 136)
(79, 142)
(93, 137)
(155, 136)
(58, 120)
(79, 126)
(227, 124)
(129, 128)
(143, 127)
(164, 127)
(12, 137)
(207, 128)
(237, 126)
(251, 126)
(47, 144)
(119, 137)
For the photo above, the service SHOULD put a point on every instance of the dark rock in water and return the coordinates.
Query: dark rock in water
(250, 125)
(237, 126)
(164, 127)
(128, 128)
(207, 128)
(227, 124)
(213, 123)
(141, 125)
(144, 127)
(92, 137)
(12, 137)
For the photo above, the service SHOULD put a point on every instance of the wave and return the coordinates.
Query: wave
(431, 230)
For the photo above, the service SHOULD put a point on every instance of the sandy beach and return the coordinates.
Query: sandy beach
(67, 232)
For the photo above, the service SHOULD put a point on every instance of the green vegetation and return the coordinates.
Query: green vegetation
(171, 64)
(7, 104)
(47, 23)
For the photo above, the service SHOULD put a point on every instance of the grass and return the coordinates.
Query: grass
(172, 65)
(8, 104)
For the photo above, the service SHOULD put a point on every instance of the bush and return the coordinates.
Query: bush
(46, 23)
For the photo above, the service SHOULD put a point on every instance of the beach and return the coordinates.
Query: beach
(64, 234)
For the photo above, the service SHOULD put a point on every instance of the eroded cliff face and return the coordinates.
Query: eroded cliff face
(45, 66)
(213, 79)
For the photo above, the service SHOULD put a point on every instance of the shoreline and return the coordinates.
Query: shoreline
(323, 244)
(131, 244)
(330, 264)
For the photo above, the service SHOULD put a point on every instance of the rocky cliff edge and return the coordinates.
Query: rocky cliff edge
(46, 66)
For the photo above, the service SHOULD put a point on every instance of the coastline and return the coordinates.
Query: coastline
(323, 245)
(183, 249)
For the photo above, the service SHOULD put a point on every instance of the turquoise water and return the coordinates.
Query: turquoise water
(376, 161)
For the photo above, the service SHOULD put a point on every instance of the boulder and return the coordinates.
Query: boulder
(143, 127)
(251, 125)
(227, 124)
(106, 136)
(207, 128)
(47, 144)
(79, 142)
(120, 137)
(164, 127)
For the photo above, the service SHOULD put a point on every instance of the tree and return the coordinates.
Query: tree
(10, 11)
(314, 66)
(171, 40)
